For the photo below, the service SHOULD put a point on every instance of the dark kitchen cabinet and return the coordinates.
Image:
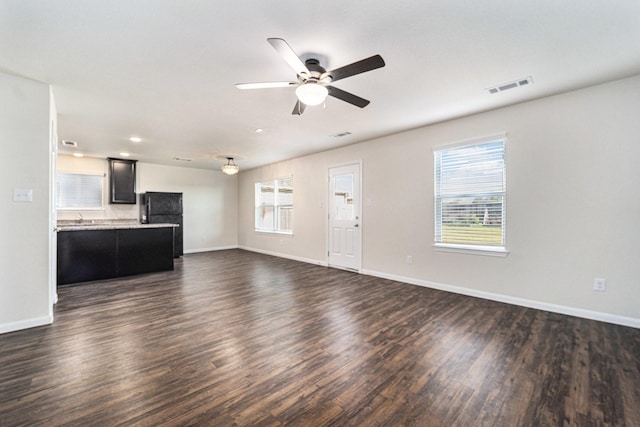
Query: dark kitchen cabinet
(122, 181)
(87, 255)
(145, 250)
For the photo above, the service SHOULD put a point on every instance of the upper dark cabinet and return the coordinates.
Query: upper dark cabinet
(122, 181)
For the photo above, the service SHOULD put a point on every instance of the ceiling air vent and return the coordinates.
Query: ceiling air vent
(67, 143)
(340, 135)
(181, 159)
(511, 85)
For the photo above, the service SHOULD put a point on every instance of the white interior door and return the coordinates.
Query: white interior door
(345, 231)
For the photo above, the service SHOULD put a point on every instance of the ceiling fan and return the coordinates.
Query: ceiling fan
(314, 81)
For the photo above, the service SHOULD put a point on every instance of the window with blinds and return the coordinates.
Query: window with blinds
(79, 191)
(470, 190)
(274, 205)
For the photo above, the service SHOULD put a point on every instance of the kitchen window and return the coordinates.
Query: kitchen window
(470, 191)
(274, 206)
(77, 191)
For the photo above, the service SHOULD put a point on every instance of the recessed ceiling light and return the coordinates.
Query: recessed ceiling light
(78, 155)
(135, 139)
(259, 130)
(123, 154)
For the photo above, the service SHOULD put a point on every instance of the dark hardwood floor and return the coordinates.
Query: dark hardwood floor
(238, 338)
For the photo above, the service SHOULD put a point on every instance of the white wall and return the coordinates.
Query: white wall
(210, 203)
(573, 205)
(24, 164)
(310, 194)
(209, 200)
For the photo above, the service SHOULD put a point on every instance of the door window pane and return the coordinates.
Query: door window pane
(343, 197)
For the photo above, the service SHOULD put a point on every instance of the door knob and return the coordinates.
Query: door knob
(356, 225)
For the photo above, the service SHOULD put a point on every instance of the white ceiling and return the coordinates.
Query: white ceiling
(164, 70)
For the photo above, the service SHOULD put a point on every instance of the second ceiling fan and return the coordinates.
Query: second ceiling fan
(314, 81)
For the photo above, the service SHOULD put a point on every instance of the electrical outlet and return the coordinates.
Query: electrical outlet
(599, 284)
(409, 259)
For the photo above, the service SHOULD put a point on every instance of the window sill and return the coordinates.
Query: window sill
(281, 233)
(79, 208)
(473, 250)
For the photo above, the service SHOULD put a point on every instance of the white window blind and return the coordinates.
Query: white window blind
(470, 195)
(274, 205)
(79, 191)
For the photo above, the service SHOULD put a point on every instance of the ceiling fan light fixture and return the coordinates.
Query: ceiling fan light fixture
(312, 93)
(314, 81)
(230, 168)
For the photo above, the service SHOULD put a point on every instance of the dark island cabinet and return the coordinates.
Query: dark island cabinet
(122, 181)
(87, 255)
(151, 250)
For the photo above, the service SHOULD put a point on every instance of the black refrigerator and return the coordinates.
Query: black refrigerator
(158, 208)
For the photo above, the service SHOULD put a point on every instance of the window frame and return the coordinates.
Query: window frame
(275, 182)
(102, 177)
(476, 249)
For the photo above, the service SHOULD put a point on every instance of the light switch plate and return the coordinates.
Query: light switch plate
(599, 284)
(22, 195)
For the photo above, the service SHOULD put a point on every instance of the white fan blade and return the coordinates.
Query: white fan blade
(289, 55)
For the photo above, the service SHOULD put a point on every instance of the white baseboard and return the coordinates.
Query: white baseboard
(217, 248)
(523, 302)
(280, 255)
(25, 324)
(539, 305)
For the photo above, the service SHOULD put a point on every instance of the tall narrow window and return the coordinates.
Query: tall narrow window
(470, 196)
(274, 205)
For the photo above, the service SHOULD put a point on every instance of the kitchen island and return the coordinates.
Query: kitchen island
(90, 251)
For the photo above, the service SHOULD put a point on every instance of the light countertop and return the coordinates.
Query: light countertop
(93, 225)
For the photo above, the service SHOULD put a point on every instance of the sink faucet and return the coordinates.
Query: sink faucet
(81, 218)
